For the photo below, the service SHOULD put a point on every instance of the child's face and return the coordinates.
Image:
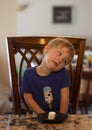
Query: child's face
(56, 57)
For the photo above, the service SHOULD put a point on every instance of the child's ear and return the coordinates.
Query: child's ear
(46, 49)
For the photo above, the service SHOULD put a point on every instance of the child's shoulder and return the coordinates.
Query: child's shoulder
(31, 69)
(62, 71)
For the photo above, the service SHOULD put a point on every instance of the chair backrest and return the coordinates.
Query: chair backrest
(26, 52)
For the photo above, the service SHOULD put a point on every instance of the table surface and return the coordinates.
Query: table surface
(29, 122)
(87, 74)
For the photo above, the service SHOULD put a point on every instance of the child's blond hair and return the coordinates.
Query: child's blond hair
(63, 43)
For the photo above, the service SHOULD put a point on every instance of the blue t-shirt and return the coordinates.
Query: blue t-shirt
(36, 84)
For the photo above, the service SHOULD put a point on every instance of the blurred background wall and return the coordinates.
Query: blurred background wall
(37, 18)
(8, 26)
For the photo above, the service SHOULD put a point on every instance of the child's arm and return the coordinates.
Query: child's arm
(32, 103)
(64, 100)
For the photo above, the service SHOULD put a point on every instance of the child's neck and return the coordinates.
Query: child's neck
(42, 71)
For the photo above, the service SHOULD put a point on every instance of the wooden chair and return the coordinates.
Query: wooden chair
(26, 51)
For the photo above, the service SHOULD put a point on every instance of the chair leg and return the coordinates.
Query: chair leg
(81, 106)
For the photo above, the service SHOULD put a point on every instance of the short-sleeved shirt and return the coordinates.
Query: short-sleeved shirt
(42, 87)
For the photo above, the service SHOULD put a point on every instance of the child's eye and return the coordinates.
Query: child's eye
(59, 53)
(65, 61)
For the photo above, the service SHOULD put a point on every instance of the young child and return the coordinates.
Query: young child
(46, 87)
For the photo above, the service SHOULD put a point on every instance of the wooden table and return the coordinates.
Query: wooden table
(87, 74)
(29, 122)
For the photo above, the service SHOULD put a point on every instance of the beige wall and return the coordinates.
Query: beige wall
(37, 18)
(7, 28)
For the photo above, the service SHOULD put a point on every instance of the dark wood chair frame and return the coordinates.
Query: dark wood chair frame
(34, 45)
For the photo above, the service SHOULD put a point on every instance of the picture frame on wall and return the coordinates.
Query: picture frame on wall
(62, 14)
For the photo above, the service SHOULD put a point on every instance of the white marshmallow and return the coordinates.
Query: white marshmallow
(51, 115)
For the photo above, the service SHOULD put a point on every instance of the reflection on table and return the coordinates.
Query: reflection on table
(30, 122)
